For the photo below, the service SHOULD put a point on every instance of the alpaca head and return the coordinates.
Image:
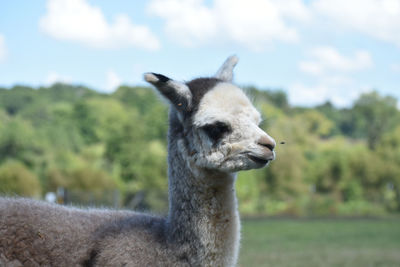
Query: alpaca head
(213, 122)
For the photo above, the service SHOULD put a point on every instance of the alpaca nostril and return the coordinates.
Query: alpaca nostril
(271, 147)
(268, 142)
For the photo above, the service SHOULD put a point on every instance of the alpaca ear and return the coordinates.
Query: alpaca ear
(176, 92)
(225, 72)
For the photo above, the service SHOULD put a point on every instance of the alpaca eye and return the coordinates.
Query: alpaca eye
(216, 130)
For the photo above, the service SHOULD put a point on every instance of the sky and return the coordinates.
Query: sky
(314, 50)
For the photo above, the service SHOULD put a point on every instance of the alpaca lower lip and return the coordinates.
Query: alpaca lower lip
(259, 160)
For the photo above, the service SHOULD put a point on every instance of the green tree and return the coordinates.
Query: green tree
(388, 153)
(16, 178)
(374, 115)
(316, 123)
(18, 141)
(16, 99)
(61, 92)
(328, 168)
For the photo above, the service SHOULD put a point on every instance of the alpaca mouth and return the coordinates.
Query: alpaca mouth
(259, 160)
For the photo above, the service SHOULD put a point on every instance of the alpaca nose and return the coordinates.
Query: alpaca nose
(267, 141)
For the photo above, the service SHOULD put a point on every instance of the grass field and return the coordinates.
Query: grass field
(322, 242)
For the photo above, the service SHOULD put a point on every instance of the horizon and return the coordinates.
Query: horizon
(244, 87)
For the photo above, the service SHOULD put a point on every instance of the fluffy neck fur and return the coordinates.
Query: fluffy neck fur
(203, 220)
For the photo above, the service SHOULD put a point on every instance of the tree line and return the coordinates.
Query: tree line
(329, 160)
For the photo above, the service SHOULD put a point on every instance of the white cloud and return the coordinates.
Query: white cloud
(300, 94)
(293, 9)
(3, 49)
(78, 21)
(251, 23)
(379, 19)
(188, 21)
(395, 67)
(327, 59)
(330, 70)
(257, 23)
(54, 77)
(341, 92)
(112, 81)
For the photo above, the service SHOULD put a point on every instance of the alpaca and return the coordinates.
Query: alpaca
(213, 134)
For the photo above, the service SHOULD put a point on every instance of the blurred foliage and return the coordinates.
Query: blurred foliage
(17, 179)
(333, 161)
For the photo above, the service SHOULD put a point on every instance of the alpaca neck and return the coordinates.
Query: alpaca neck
(203, 220)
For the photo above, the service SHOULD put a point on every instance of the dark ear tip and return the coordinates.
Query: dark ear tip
(162, 78)
(152, 77)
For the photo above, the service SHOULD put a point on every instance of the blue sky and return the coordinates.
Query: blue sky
(315, 50)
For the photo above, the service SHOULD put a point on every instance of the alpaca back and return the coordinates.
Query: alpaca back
(38, 233)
